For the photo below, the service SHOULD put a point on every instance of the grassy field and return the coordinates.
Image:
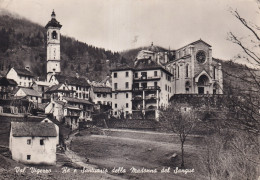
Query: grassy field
(114, 149)
(133, 149)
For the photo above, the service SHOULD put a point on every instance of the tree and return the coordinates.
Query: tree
(238, 151)
(246, 94)
(181, 120)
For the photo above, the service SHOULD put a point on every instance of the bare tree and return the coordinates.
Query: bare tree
(181, 120)
(235, 155)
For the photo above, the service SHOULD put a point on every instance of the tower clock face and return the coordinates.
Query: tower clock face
(201, 56)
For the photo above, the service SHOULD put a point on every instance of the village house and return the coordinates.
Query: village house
(23, 77)
(33, 142)
(56, 109)
(41, 87)
(29, 94)
(79, 85)
(77, 110)
(101, 95)
(70, 110)
(59, 90)
(7, 88)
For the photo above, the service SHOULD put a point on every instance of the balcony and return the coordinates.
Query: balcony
(146, 88)
(144, 78)
(150, 97)
(137, 98)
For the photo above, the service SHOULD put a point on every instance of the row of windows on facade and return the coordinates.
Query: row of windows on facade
(126, 105)
(187, 71)
(115, 113)
(183, 52)
(126, 85)
(78, 88)
(143, 85)
(24, 77)
(78, 95)
(104, 102)
(144, 75)
(29, 84)
(29, 141)
(104, 95)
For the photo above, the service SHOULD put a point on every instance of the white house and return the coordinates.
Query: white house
(46, 120)
(101, 95)
(78, 85)
(33, 142)
(30, 94)
(23, 77)
(56, 108)
(41, 87)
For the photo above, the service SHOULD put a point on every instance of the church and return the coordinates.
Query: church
(159, 74)
(195, 71)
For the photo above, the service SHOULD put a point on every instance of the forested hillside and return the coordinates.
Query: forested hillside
(23, 43)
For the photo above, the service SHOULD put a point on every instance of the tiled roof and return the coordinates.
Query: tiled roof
(76, 100)
(53, 88)
(146, 64)
(102, 89)
(53, 23)
(7, 82)
(30, 92)
(122, 68)
(195, 42)
(42, 83)
(72, 107)
(33, 129)
(60, 102)
(72, 80)
(108, 78)
(23, 72)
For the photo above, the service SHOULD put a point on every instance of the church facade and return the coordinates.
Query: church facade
(195, 71)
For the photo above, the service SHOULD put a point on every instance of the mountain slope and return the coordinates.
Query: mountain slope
(23, 43)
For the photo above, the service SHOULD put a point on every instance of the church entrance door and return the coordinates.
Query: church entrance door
(201, 90)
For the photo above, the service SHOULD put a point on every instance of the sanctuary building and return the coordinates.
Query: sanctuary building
(158, 74)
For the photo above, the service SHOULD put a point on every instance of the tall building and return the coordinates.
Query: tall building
(140, 91)
(158, 74)
(53, 46)
(195, 71)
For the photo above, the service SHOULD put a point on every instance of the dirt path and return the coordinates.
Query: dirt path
(79, 161)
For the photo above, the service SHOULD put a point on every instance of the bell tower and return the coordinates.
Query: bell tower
(53, 46)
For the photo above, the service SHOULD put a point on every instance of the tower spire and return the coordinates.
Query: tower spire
(53, 15)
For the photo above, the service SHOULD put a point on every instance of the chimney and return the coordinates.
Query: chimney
(77, 75)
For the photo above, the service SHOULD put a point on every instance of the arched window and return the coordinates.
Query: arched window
(178, 72)
(214, 72)
(187, 70)
(54, 35)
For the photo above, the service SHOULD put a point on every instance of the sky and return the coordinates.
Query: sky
(124, 24)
